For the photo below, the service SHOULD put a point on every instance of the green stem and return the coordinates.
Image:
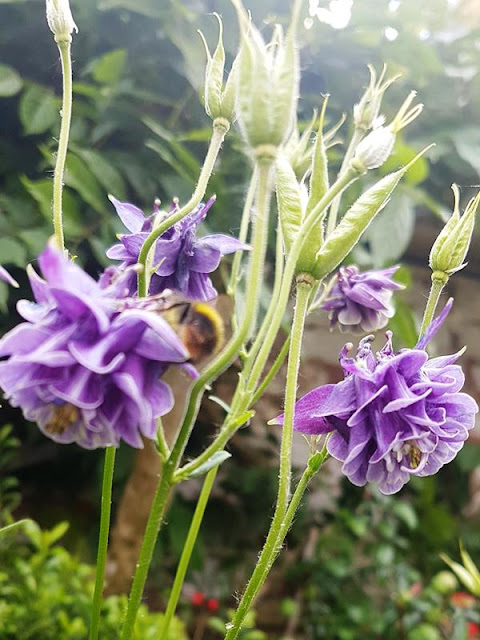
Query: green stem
(255, 278)
(244, 225)
(64, 48)
(333, 213)
(220, 129)
(274, 324)
(187, 551)
(146, 552)
(438, 283)
(220, 363)
(162, 444)
(277, 529)
(269, 553)
(102, 540)
(271, 373)
(289, 272)
(277, 283)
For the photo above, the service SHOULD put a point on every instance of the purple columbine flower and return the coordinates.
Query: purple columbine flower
(182, 261)
(361, 302)
(395, 415)
(87, 362)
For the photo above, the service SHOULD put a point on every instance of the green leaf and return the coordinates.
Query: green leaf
(105, 172)
(10, 81)
(406, 513)
(79, 177)
(57, 532)
(467, 142)
(217, 459)
(38, 109)
(110, 67)
(389, 234)
(12, 252)
(15, 525)
(42, 192)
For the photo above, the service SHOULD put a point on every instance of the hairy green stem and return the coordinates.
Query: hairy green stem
(436, 289)
(270, 551)
(272, 372)
(255, 278)
(146, 552)
(333, 213)
(220, 129)
(244, 225)
(274, 324)
(187, 552)
(64, 48)
(220, 363)
(102, 540)
(277, 527)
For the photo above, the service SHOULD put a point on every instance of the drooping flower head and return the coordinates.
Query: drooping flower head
(86, 363)
(181, 261)
(394, 415)
(360, 302)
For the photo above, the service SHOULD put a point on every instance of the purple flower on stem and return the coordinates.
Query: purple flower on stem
(394, 415)
(360, 302)
(181, 261)
(87, 362)
(6, 277)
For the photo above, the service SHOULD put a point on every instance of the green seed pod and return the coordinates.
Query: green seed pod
(318, 188)
(289, 200)
(366, 112)
(219, 102)
(299, 149)
(355, 222)
(267, 84)
(450, 248)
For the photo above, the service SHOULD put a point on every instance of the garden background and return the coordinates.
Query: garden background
(139, 132)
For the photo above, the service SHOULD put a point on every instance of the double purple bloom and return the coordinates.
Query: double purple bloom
(360, 302)
(394, 415)
(86, 363)
(181, 261)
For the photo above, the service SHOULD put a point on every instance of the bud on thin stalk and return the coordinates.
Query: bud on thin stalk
(367, 111)
(60, 20)
(374, 150)
(450, 248)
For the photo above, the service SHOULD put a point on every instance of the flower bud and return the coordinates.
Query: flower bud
(374, 150)
(219, 100)
(366, 112)
(450, 248)
(267, 85)
(60, 20)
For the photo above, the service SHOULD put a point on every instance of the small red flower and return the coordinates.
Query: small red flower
(473, 631)
(198, 599)
(463, 600)
(212, 605)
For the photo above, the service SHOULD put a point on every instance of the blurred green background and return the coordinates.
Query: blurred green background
(139, 132)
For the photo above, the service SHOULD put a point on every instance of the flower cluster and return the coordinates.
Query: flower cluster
(181, 261)
(394, 415)
(361, 301)
(87, 362)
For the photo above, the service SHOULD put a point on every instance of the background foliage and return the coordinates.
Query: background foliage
(139, 131)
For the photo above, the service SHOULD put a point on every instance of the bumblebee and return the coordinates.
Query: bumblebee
(198, 325)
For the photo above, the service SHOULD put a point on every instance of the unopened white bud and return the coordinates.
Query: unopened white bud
(60, 20)
(374, 150)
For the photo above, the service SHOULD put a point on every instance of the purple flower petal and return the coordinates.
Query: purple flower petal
(6, 277)
(131, 216)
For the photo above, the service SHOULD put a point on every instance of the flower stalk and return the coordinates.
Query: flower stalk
(102, 540)
(220, 129)
(279, 525)
(64, 47)
(187, 551)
